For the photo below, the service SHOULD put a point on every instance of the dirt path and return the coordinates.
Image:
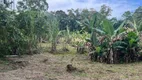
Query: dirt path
(53, 67)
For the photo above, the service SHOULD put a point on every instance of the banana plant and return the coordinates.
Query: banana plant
(128, 44)
(90, 25)
(103, 28)
(67, 38)
(137, 27)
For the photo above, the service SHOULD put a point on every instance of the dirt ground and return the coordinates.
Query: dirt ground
(47, 66)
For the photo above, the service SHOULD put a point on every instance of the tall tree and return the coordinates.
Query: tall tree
(63, 19)
(127, 15)
(35, 5)
(105, 10)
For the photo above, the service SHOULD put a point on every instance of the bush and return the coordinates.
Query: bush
(17, 35)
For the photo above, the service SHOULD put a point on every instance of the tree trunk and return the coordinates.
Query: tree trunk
(53, 48)
(111, 56)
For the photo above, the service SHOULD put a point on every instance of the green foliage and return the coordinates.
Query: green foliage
(53, 30)
(34, 5)
(111, 39)
(63, 19)
(20, 31)
(105, 10)
(108, 27)
(114, 47)
(98, 49)
(79, 38)
(127, 15)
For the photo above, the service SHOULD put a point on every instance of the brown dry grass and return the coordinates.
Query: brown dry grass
(47, 66)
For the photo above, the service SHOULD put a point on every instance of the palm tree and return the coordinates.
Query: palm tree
(53, 30)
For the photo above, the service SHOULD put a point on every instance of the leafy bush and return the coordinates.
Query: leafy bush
(17, 33)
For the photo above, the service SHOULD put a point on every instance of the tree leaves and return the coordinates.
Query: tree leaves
(108, 27)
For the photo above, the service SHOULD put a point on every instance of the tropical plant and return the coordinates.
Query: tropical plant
(127, 49)
(20, 31)
(123, 44)
(53, 30)
(66, 38)
(106, 41)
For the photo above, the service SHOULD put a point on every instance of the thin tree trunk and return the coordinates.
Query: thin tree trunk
(111, 56)
(53, 48)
